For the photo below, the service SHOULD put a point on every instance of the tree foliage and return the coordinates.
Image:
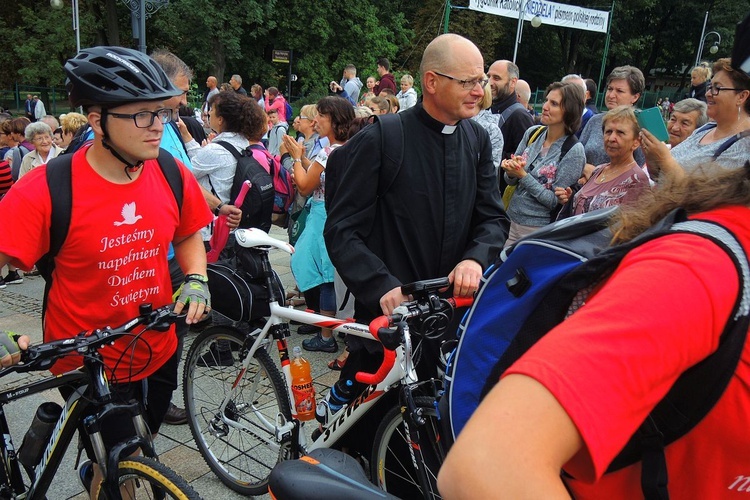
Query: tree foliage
(238, 36)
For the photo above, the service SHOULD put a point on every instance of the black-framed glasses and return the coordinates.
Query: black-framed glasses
(145, 119)
(715, 89)
(466, 84)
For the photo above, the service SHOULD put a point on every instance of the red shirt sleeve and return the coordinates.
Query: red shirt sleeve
(613, 360)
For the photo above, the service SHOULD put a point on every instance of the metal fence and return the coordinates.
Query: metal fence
(647, 100)
(55, 99)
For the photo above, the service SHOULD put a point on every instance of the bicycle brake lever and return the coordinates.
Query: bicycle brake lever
(390, 337)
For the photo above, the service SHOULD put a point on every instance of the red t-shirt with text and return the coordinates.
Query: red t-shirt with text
(114, 257)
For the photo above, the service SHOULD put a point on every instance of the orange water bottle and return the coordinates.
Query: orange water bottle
(302, 386)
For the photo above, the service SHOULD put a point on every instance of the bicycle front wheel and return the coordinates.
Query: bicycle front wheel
(143, 478)
(233, 413)
(391, 466)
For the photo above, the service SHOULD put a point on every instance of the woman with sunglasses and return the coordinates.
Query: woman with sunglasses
(725, 140)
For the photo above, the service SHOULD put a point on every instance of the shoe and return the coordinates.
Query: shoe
(175, 415)
(308, 329)
(86, 474)
(13, 278)
(336, 365)
(219, 354)
(34, 272)
(2, 283)
(318, 343)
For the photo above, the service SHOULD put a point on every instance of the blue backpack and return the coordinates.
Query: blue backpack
(538, 282)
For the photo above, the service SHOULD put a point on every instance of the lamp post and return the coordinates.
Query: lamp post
(713, 49)
(57, 4)
(140, 11)
(536, 21)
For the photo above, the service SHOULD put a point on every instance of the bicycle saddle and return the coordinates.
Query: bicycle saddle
(323, 474)
(254, 237)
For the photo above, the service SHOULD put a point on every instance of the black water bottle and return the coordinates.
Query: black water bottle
(36, 438)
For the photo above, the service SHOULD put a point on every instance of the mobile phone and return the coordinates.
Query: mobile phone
(651, 120)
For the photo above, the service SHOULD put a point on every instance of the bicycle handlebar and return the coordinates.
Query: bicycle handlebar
(42, 356)
(382, 329)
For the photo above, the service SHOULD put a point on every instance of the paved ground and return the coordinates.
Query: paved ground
(20, 311)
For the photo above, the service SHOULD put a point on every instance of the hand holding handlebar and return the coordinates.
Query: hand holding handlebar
(11, 346)
(381, 329)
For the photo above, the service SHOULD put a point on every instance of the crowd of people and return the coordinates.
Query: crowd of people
(475, 172)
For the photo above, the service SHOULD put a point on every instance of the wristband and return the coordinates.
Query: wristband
(196, 277)
(218, 208)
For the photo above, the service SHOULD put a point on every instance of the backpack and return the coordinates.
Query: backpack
(289, 111)
(282, 181)
(59, 182)
(259, 202)
(392, 154)
(536, 283)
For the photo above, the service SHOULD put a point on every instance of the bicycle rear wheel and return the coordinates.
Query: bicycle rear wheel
(143, 478)
(391, 465)
(237, 442)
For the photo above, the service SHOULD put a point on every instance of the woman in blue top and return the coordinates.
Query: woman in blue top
(311, 265)
(539, 166)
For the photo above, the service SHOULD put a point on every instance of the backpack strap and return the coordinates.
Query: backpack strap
(728, 143)
(507, 112)
(699, 388)
(391, 150)
(570, 141)
(171, 172)
(266, 153)
(535, 135)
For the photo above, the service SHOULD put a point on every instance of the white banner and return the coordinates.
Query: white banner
(556, 14)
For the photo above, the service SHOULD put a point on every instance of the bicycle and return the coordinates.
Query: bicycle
(144, 475)
(239, 409)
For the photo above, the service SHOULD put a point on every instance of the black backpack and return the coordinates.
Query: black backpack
(258, 205)
(59, 182)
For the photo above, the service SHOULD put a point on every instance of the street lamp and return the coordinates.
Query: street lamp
(701, 45)
(141, 10)
(536, 21)
(57, 4)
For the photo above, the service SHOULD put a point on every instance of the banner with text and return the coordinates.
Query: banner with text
(556, 14)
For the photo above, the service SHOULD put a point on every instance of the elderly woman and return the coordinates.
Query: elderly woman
(70, 123)
(726, 140)
(407, 96)
(624, 87)
(539, 166)
(40, 135)
(490, 123)
(617, 182)
(311, 265)
(699, 77)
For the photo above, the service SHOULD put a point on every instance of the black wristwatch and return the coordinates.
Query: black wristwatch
(196, 277)
(218, 208)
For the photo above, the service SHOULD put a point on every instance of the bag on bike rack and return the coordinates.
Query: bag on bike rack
(237, 295)
(535, 284)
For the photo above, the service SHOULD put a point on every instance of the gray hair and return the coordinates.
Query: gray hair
(689, 105)
(172, 65)
(237, 78)
(630, 74)
(573, 78)
(36, 128)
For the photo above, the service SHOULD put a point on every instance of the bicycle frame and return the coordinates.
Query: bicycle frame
(91, 390)
(402, 371)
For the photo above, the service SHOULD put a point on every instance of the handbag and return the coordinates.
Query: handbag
(299, 220)
(236, 294)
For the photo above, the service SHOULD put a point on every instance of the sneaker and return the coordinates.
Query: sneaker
(2, 283)
(308, 329)
(318, 343)
(219, 354)
(86, 474)
(175, 415)
(13, 278)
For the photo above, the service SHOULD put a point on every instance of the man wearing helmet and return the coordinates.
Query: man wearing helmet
(124, 215)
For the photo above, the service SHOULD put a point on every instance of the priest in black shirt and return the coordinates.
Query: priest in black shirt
(440, 216)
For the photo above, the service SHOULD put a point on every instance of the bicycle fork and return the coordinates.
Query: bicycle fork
(413, 419)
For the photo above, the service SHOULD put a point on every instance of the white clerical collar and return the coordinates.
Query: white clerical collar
(448, 129)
